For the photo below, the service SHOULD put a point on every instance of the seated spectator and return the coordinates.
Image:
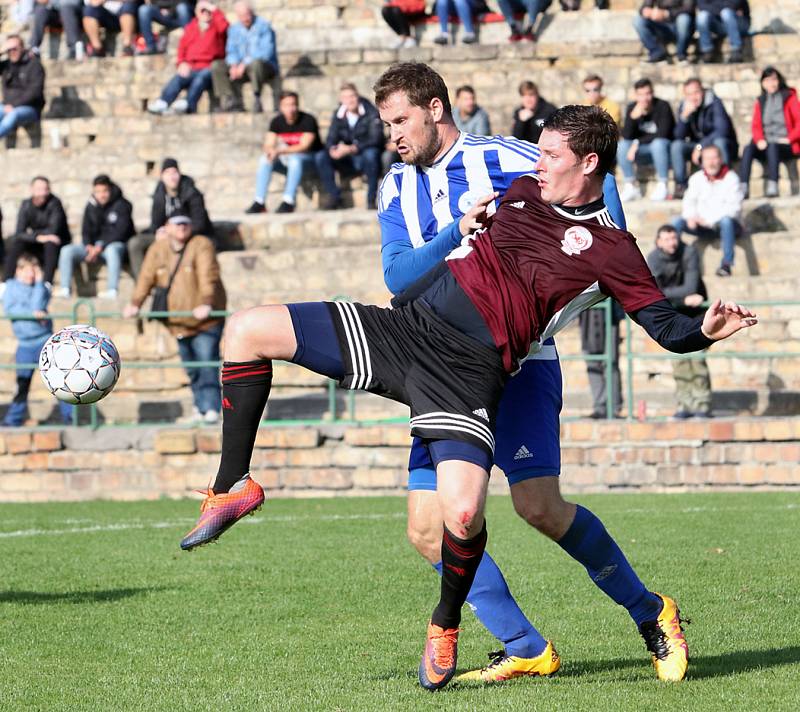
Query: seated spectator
(122, 20)
(531, 115)
(354, 146)
(175, 194)
(23, 87)
(464, 9)
(64, 14)
(186, 266)
(593, 89)
(468, 116)
(398, 14)
(776, 130)
(712, 206)
(251, 55)
(42, 230)
(203, 42)
(676, 268)
(289, 148)
(167, 13)
(722, 18)
(646, 135)
(534, 8)
(662, 21)
(107, 227)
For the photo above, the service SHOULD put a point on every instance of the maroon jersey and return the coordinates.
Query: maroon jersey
(534, 258)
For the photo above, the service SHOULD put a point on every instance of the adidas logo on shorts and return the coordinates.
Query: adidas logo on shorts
(523, 454)
(481, 413)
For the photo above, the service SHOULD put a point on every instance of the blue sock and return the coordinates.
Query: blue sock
(495, 607)
(588, 542)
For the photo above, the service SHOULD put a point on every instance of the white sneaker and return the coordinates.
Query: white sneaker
(157, 106)
(398, 43)
(630, 191)
(62, 293)
(409, 42)
(660, 192)
(180, 106)
(211, 417)
(108, 294)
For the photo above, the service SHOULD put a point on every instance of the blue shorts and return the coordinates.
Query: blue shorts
(527, 435)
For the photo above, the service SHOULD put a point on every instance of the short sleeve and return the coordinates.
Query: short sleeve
(627, 278)
(275, 124)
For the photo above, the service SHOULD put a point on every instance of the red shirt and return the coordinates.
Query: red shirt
(200, 49)
(534, 258)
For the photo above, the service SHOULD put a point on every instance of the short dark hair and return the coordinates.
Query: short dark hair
(528, 87)
(35, 178)
(417, 81)
(102, 179)
(588, 129)
(773, 72)
(642, 83)
(26, 258)
(592, 78)
(666, 227)
(464, 88)
(693, 80)
(286, 94)
(348, 86)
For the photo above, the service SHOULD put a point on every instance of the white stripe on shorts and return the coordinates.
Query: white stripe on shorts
(454, 421)
(356, 342)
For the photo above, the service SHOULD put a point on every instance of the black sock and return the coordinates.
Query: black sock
(245, 389)
(460, 560)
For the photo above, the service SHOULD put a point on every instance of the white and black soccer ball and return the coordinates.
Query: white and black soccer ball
(79, 364)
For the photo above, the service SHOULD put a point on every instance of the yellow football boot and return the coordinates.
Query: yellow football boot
(665, 640)
(506, 667)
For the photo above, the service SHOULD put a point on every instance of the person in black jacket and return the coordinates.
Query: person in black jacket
(107, 227)
(729, 18)
(662, 21)
(530, 117)
(175, 193)
(42, 230)
(23, 86)
(354, 146)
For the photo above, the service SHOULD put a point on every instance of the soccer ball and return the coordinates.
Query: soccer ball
(79, 364)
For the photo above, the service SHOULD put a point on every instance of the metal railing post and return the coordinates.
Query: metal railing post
(92, 320)
(609, 360)
(629, 358)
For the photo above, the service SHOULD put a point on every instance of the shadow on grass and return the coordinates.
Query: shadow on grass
(33, 598)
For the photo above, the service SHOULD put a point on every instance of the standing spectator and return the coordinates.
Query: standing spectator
(593, 88)
(593, 341)
(531, 115)
(175, 193)
(167, 13)
(729, 18)
(662, 21)
(64, 14)
(203, 42)
(468, 116)
(354, 146)
(27, 293)
(107, 227)
(712, 205)
(534, 8)
(251, 55)
(397, 13)
(702, 121)
(42, 230)
(186, 266)
(676, 268)
(776, 130)
(122, 20)
(23, 86)
(289, 148)
(646, 135)
(464, 9)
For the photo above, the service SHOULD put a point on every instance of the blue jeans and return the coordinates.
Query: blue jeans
(113, 255)
(195, 84)
(655, 34)
(293, 166)
(148, 14)
(534, 8)
(367, 162)
(728, 229)
(203, 346)
(681, 151)
(655, 152)
(463, 8)
(18, 116)
(726, 23)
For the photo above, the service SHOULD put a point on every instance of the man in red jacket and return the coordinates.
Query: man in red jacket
(203, 41)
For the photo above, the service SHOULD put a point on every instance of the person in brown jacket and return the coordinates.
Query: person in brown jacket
(197, 288)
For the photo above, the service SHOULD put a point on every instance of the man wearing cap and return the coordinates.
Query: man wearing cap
(175, 193)
(186, 265)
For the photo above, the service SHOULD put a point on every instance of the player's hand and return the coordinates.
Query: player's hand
(201, 313)
(475, 217)
(693, 300)
(724, 320)
(129, 311)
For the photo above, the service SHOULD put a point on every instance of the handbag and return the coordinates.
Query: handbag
(160, 294)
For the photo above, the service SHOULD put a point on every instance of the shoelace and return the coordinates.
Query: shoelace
(210, 501)
(444, 657)
(497, 657)
(655, 639)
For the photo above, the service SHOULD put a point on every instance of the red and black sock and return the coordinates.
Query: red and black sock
(245, 389)
(460, 560)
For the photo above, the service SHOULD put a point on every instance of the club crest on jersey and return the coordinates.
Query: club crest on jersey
(576, 239)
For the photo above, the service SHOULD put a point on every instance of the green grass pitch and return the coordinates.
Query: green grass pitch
(322, 605)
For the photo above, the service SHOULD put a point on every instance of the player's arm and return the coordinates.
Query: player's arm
(613, 201)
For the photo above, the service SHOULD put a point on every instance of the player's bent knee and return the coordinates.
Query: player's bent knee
(465, 521)
(260, 332)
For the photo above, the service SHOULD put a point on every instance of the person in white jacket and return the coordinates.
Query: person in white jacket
(712, 205)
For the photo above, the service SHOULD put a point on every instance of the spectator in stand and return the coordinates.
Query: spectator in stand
(186, 266)
(64, 14)
(468, 116)
(712, 205)
(175, 194)
(251, 55)
(289, 148)
(702, 121)
(676, 268)
(464, 9)
(167, 13)
(519, 31)
(42, 230)
(531, 115)
(575, 5)
(776, 130)
(593, 89)
(121, 20)
(107, 227)
(23, 86)
(398, 14)
(354, 146)
(646, 135)
(203, 42)
(662, 21)
(722, 18)
(593, 341)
